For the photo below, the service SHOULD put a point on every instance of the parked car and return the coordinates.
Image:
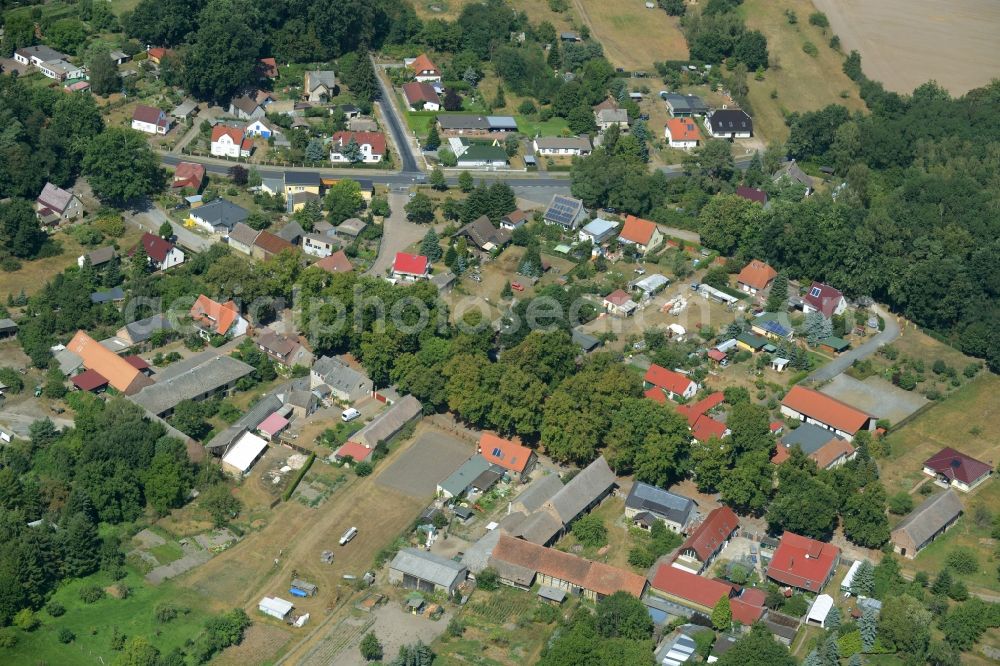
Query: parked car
(639, 270)
(517, 286)
(349, 414)
(694, 286)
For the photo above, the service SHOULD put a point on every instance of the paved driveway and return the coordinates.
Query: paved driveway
(844, 361)
(151, 219)
(397, 234)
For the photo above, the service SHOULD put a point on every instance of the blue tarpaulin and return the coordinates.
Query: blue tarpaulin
(297, 592)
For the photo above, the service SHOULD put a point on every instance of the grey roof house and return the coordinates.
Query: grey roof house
(388, 424)
(345, 383)
(419, 570)
(462, 479)
(143, 329)
(925, 523)
(791, 171)
(584, 491)
(646, 503)
(219, 216)
(196, 378)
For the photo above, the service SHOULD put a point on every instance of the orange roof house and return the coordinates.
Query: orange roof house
(158, 53)
(643, 233)
(511, 455)
(672, 383)
(267, 67)
(803, 562)
(707, 540)
(755, 276)
(116, 370)
(217, 318)
(424, 69)
(820, 409)
(683, 131)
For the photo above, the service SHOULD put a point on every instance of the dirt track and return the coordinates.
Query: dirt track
(901, 41)
(242, 575)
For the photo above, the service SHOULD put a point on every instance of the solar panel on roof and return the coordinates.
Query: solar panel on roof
(497, 452)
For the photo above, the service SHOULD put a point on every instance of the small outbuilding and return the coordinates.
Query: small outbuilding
(276, 607)
(820, 610)
(243, 454)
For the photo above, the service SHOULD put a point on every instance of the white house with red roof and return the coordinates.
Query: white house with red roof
(803, 563)
(620, 303)
(162, 253)
(690, 590)
(644, 234)
(949, 467)
(824, 299)
(410, 267)
(424, 69)
(670, 383)
(150, 120)
(230, 142)
(421, 96)
(372, 146)
(682, 133)
(756, 276)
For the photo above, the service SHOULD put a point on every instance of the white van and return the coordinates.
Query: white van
(349, 414)
(348, 535)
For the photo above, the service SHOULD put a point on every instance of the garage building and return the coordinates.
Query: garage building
(419, 570)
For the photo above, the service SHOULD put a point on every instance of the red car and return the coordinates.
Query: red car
(517, 286)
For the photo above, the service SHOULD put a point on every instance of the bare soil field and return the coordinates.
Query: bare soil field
(802, 82)
(295, 535)
(896, 38)
(633, 36)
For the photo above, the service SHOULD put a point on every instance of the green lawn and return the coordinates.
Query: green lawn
(167, 553)
(965, 533)
(93, 624)
(554, 126)
(420, 122)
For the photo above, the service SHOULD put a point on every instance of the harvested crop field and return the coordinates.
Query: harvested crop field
(429, 460)
(900, 40)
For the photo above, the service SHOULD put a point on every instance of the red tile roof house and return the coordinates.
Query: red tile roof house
(825, 299)
(690, 590)
(672, 384)
(424, 69)
(513, 456)
(354, 450)
(620, 303)
(410, 267)
(952, 468)
(803, 563)
(267, 68)
(150, 120)
(214, 318)
(421, 96)
(707, 540)
(162, 253)
(703, 427)
(752, 194)
(644, 234)
(58, 204)
(371, 144)
(335, 263)
(756, 276)
(230, 142)
(190, 175)
(820, 409)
